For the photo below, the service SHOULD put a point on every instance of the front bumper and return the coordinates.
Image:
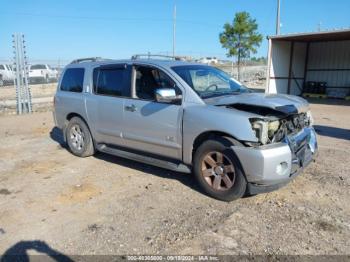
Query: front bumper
(270, 167)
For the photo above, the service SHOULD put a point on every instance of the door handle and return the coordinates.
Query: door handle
(131, 108)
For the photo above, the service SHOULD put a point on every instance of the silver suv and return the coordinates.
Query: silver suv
(186, 117)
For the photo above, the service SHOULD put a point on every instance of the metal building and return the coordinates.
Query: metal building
(298, 61)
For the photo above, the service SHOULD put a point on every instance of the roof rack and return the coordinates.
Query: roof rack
(150, 56)
(91, 59)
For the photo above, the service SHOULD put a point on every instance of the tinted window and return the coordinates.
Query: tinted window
(73, 80)
(113, 81)
(34, 67)
(2, 67)
(149, 79)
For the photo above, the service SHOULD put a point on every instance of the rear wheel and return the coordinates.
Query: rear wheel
(218, 170)
(1, 81)
(79, 138)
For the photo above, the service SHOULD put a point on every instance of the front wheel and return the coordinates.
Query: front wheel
(79, 138)
(218, 170)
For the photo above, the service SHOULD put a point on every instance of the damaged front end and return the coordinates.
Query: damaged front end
(286, 145)
(275, 125)
(271, 129)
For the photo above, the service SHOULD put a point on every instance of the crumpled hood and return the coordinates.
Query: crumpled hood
(284, 103)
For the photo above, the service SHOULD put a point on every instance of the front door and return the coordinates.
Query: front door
(151, 126)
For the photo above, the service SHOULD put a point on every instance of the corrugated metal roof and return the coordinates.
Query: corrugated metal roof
(334, 35)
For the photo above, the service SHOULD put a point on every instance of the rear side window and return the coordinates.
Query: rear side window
(2, 67)
(112, 81)
(73, 80)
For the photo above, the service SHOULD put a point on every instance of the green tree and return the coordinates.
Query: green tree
(241, 38)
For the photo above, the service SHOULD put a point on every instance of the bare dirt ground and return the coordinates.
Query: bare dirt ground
(42, 98)
(108, 205)
(39, 90)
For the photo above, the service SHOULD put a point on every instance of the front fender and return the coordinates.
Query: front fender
(199, 119)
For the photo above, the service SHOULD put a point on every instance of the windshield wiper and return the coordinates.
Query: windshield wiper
(216, 94)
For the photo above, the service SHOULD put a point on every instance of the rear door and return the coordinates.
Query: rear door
(151, 126)
(105, 104)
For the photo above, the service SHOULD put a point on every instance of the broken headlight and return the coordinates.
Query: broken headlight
(273, 127)
(310, 118)
(264, 129)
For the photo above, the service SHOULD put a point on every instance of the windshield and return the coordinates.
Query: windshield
(209, 81)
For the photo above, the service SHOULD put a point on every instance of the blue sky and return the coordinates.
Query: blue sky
(67, 29)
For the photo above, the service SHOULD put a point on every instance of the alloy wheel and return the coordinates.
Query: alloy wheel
(218, 171)
(77, 137)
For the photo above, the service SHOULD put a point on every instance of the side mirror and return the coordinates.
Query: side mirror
(166, 95)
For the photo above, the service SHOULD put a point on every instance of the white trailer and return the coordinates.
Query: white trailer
(296, 60)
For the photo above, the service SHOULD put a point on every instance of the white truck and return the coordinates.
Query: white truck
(42, 73)
(7, 76)
(208, 60)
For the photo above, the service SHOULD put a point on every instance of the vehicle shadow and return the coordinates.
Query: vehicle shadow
(334, 132)
(186, 179)
(18, 252)
(57, 136)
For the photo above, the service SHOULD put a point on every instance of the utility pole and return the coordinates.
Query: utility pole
(174, 30)
(278, 20)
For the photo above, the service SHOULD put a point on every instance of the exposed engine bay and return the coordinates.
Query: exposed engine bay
(275, 124)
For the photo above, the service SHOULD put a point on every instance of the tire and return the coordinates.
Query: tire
(79, 138)
(47, 79)
(1, 82)
(213, 178)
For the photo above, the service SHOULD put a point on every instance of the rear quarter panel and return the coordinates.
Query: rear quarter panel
(69, 102)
